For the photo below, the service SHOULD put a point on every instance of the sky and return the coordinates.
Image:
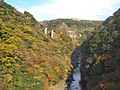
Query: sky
(53, 9)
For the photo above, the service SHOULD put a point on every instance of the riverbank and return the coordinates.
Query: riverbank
(60, 86)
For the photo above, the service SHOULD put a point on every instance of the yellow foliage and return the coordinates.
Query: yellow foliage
(61, 33)
(8, 77)
(1, 21)
(37, 77)
(48, 32)
(36, 66)
(9, 48)
(8, 59)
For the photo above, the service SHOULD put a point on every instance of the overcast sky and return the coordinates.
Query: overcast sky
(53, 9)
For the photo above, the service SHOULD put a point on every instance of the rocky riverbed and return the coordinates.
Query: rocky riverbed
(75, 84)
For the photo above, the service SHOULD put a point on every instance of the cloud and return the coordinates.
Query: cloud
(82, 9)
(23, 2)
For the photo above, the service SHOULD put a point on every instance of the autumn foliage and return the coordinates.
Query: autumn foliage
(57, 69)
(27, 54)
(104, 86)
(103, 57)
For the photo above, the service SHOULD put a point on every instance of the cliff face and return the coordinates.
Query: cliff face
(101, 62)
(29, 59)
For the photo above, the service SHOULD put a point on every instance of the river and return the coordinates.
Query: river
(77, 78)
(76, 74)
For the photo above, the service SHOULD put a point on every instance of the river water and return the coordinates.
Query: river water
(76, 75)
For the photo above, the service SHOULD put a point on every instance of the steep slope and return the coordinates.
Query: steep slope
(101, 52)
(28, 58)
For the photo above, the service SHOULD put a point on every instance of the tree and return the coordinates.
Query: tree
(30, 17)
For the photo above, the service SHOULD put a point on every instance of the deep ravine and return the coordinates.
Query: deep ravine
(75, 77)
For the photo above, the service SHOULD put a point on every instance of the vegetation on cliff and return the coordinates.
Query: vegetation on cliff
(28, 58)
(101, 52)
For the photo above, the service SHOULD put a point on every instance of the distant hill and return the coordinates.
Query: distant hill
(83, 28)
(79, 24)
(29, 59)
(101, 56)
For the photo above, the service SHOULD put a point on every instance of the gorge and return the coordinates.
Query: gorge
(87, 52)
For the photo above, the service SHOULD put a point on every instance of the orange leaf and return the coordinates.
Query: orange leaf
(37, 62)
(36, 56)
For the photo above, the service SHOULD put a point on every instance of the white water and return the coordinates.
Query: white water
(76, 58)
(77, 77)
